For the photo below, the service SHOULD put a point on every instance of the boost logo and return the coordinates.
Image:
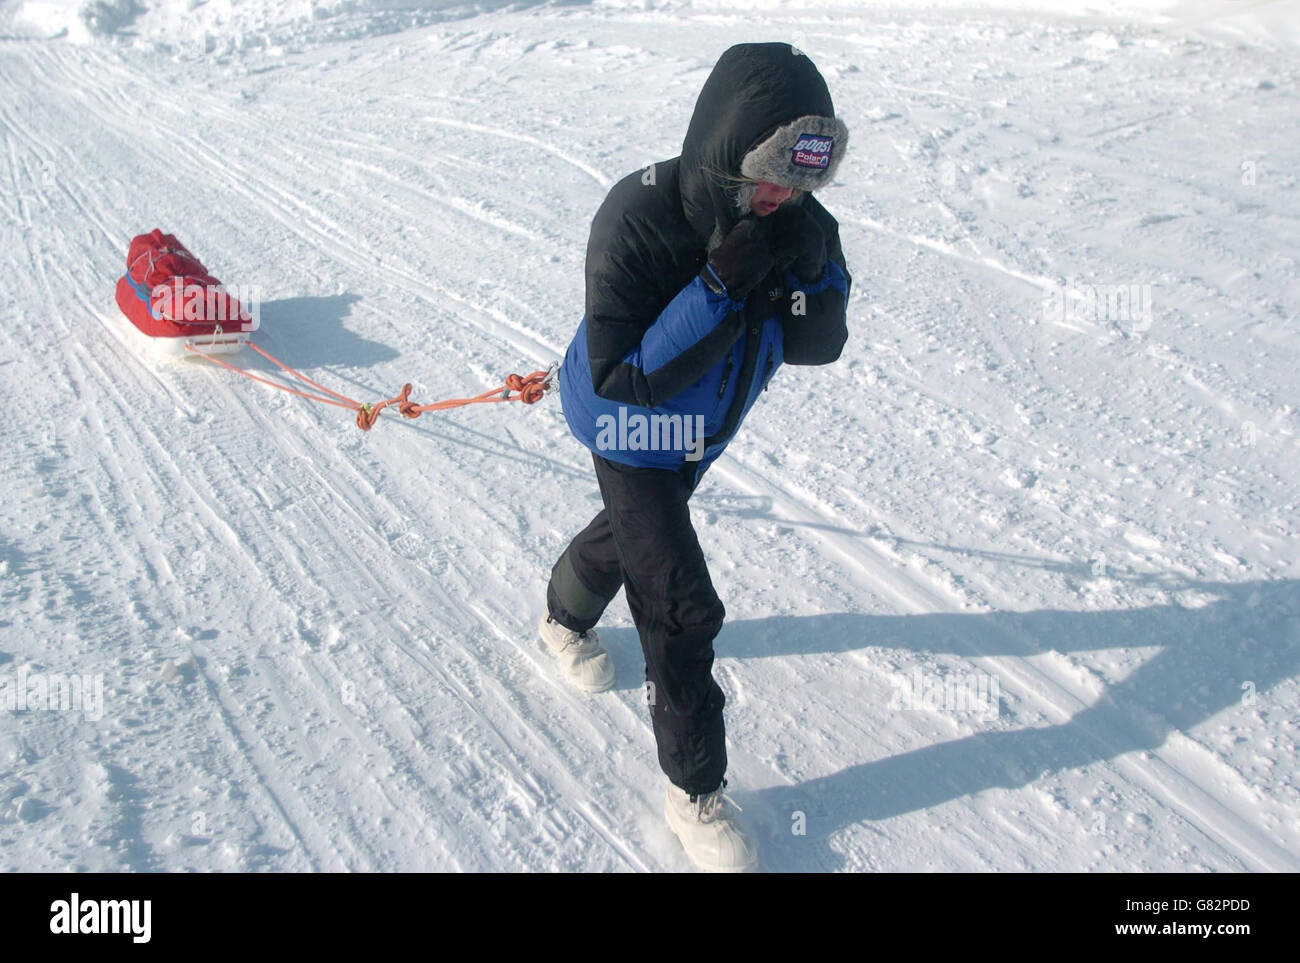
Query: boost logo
(811, 150)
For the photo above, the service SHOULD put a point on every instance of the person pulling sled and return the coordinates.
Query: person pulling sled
(704, 274)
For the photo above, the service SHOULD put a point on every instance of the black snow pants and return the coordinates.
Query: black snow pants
(643, 541)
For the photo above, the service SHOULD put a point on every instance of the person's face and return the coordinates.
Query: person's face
(768, 197)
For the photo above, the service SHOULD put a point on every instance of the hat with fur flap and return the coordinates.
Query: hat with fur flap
(802, 154)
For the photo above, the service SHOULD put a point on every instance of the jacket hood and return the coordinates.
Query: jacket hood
(759, 95)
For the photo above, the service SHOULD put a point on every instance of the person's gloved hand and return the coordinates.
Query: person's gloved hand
(798, 242)
(743, 258)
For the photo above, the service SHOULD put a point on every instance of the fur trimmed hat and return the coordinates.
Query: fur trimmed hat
(802, 154)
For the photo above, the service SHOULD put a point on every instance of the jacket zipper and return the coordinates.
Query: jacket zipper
(750, 343)
(768, 377)
(726, 376)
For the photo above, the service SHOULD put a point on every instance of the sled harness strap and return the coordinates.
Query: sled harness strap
(529, 389)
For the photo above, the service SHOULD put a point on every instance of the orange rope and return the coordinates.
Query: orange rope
(266, 381)
(529, 389)
(300, 376)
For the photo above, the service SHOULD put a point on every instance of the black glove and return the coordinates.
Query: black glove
(798, 242)
(742, 259)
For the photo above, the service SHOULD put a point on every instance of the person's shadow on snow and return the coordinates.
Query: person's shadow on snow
(1229, 654)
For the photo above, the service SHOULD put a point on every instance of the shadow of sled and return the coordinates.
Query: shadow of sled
(310, 333)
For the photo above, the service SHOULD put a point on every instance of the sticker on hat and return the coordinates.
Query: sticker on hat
(812, 150)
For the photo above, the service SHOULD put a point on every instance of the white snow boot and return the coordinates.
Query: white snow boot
(709, 831)
(583, 659)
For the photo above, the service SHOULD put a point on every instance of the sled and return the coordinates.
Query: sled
(174, 306)
(175, 309)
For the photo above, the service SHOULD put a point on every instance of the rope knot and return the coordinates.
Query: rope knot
(531, 389)
(367, 415)
(405, 406)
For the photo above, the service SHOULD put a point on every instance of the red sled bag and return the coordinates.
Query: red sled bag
(169, 295)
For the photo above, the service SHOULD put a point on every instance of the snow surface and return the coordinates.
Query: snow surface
(317, 647)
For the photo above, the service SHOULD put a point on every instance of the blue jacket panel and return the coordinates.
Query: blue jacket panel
(669, 435)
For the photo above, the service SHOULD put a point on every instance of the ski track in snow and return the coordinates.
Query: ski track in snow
(318, 647)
